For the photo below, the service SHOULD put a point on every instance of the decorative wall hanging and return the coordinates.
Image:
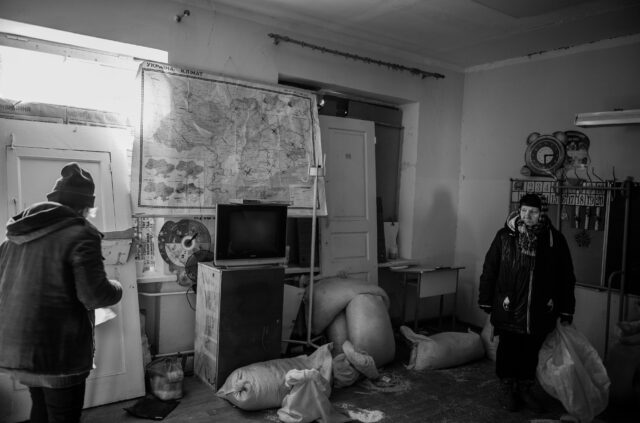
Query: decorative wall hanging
(561, 155)
(577, 161)
(415, 71)
(205, 139)
(583, 207)
(544, 155)
(177, 241)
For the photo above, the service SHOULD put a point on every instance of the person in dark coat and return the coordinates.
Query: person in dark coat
(527, 284)
(52, 278)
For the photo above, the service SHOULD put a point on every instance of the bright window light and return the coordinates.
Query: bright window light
(34, 76)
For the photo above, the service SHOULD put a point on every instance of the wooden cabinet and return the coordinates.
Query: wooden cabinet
(238, 319)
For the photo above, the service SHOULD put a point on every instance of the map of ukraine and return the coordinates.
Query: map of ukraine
(205, 139)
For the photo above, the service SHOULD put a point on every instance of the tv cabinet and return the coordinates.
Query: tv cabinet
(238, 319)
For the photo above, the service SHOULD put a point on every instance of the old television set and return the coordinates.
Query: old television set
(250, 235)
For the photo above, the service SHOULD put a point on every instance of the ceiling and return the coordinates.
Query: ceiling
(455, 34)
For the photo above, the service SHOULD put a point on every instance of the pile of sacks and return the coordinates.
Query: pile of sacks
(354, 316)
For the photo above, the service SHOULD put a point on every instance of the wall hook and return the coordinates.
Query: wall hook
(183, 15)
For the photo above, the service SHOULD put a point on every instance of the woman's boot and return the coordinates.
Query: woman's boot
(525, 392)
(508, 394)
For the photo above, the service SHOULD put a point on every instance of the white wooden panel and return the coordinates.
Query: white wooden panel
(34, 153)
(117, 142)
(349, 233)
(348, 169)
(32, 173)
(345, 246)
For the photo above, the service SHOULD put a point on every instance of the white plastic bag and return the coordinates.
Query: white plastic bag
(570, 370)
(308, 399)
(165, 378)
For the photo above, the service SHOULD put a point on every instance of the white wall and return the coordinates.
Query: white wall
(502, 106)
(210, 41)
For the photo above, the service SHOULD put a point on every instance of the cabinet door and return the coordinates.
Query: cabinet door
(35, 154)
(250, 318)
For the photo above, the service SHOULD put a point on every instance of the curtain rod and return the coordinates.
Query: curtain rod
(415, 71)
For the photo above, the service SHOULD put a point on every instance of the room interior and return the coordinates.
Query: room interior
(454, 90)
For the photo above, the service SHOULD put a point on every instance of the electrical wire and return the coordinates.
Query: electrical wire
(186, 294)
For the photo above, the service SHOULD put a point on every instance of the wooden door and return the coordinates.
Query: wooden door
(348, 234)
(31, 172)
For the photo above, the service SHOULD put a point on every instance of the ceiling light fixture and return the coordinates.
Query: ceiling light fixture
(615, 117)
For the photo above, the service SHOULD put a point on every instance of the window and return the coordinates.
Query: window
(43, 65)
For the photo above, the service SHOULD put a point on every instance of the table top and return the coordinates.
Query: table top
(424, 269)
(398, 263)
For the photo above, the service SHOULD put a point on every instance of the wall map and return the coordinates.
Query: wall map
(204, 139)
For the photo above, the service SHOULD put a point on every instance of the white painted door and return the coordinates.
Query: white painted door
(349, 234)
(31, 172)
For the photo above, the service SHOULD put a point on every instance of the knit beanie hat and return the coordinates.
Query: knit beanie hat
(531, 200)
(75, 187)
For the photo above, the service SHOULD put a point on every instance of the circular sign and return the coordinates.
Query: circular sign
(178, 241)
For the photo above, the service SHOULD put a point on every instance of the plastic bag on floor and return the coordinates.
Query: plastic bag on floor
(570, 370)
(165, 378)
(308, 399)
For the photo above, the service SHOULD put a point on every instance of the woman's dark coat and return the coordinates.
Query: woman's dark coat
(537, 299)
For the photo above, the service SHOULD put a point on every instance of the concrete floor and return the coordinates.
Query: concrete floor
(465, 394)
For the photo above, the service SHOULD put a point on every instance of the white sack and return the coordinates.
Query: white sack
(442, 350)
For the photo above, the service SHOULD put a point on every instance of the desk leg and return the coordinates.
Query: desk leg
(416, 314)
(453, 315)
(455, 302)
(440, 314)
(404, 299)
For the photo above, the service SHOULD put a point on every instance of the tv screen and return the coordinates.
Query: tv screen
(250, 234)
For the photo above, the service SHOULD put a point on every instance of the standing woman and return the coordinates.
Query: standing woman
(52, 278)
(527, 283)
